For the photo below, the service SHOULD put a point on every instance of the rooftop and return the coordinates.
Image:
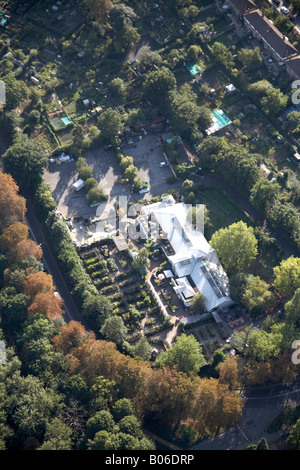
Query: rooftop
(266, 29)
(192, 256)
(242, 5)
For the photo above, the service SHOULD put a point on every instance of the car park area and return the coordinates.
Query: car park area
(147, 155)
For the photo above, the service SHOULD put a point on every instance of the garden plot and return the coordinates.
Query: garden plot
(111, 273)
(62, 17)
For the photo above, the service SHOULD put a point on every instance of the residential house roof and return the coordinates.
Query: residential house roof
(294, 65)
(266, 30)
(242, 5)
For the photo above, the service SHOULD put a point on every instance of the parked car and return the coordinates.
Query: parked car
(124, 180)
(284, 10)
(162, 164)
(144, 190)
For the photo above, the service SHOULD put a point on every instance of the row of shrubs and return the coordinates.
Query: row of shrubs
(59, 235)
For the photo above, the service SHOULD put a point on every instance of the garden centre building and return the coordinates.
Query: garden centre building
(194, 264)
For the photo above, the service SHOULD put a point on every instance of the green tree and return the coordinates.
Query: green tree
(32, 406)
(114, 329)
(131, 172)
(193, 53)
(223, 54)
(259, 89)
(110, 123)
(13, 309)
(100, 421)
(250, 58)
(294, 437)
(198, 304)
(292, 311)
(287, 276)
(16, 90)
(264, 193)
(141, 260)
(126, 162)
(236, 246)
(26, 162)
(131, 425)
(186, 354)
(274, 102)
(58, 436)
(97, 308)
(148, 58)
(99, 8)
(96, 195)
(263, 345)
(123, 407)
(257, 297)
(261, 445)
(90, 183)
(85, 172)
(158, 84)
(143, 349)
(118, 87)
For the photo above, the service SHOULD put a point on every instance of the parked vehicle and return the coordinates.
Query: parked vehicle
(284, 10)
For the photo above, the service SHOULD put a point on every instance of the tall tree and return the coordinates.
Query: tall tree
(186, 354)
(12, 235)
(26, 162)
(157, 85)
(47, 304)
(287, 276)
(36, 283)
(12, 206)
(114, 329)
(236, 246)
(99, 8)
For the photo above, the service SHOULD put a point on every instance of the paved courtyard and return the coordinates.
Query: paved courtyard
(106, 169)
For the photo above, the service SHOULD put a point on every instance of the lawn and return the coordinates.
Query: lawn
(222, 211)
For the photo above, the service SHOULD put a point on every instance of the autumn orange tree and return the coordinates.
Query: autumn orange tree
(26, 248)
(12, 235)
(229, 372)
(71, 336)
(36, 283)
(166, 396)
(47, 304)
(12, 205)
